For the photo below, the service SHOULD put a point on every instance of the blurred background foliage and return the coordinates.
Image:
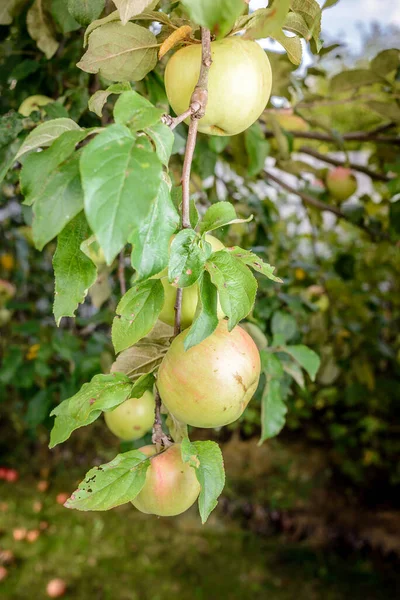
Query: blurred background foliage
(340, 264)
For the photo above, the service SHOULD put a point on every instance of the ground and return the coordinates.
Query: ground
(125, 555)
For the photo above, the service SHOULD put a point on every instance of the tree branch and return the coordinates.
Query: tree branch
(356, 136)
(340, 163)
(311, 201)
(159, 438)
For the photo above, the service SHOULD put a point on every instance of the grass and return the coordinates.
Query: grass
(125, 555)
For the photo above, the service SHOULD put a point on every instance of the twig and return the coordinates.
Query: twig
(121, 272)
(196, 111)
(340, 163)
(311, 201)
(159, 438)
(198, 103)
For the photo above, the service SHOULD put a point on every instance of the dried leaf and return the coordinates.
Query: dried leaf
(174, 39)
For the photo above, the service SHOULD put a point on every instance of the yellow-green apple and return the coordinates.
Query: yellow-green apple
(190, 295)
(239, 84)
(133, 418)
(171, 486)
(33, 103)
(210, 384)
(341, 183)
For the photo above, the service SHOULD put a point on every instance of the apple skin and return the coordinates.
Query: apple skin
(133, 418)
(190, 295)
(341, 183)
(33, 103)
(211, 384)
(171, 486)
(239, 84)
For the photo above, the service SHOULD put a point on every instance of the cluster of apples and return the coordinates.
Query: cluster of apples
(211, 384)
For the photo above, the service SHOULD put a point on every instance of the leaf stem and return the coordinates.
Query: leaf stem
(121, 273)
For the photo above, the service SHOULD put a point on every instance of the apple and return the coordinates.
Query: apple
(239, 84)
(171, 486)
(33, 103)
(211, 384)
(133, 418)
(341, 183)
(190, 295)
(56, 588)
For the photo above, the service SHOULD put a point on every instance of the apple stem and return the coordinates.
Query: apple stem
(159, 438)
(121, 272)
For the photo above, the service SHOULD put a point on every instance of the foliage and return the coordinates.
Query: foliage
(107, 177)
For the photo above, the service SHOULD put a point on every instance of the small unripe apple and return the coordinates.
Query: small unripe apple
(56, 588)
(33, 103)
(190, 295)
(211, 384)
(133, 418)
(171, 486)
(341, 183)
(239, 84)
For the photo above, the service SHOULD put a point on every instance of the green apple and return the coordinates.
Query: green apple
(133, 418)
(210, 384)
(341, 183)
(189, 298)
(171, 486)
(239, 84)
(33, 103)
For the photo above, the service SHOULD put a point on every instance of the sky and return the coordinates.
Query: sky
(342, 20)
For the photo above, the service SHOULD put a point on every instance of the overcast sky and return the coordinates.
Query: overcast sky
(341, 20)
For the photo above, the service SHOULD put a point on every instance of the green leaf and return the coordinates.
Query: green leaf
(120, 52)
(306, 357)
(163, 139)
(236, 285)
(265, 21)
(219, 215)
(62, 16)
(102, 393)
(255, 262)
(257, 148)
(273, 408)
(111, 484)
(142, 384)
(206, 321)
(283, 327)
(354, 79)
(40, 28)
(134, 111)
(310, 10)
(188, 254)
(11, 124)
(45, 134)
(10, 9)
(121, 180)
(206, 458)
(386, 61)
(217, 15)
(151, 239)
(292, 46)
(138, 311)
(99, 98)
(60, 200)
(85, 11)
(74, 272)
(129, 8)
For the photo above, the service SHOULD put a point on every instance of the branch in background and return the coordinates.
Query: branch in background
(311, 201)
(340, 163)
(159, 438)
(357, 136)
(121, 272)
